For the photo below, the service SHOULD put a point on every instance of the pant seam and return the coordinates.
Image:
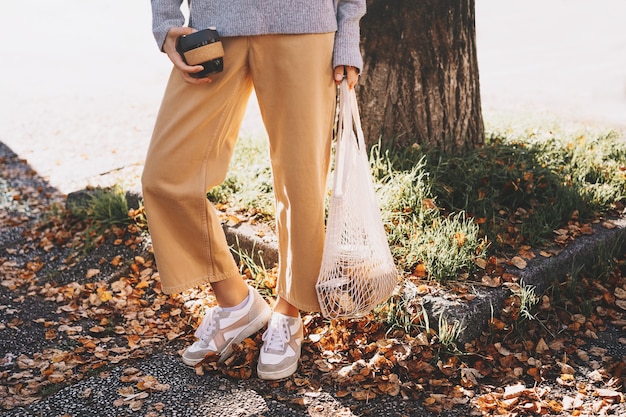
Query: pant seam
(213, 143)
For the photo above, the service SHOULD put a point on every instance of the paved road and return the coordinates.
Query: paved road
(81, 81)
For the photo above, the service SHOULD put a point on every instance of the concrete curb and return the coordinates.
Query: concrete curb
(474, 315)
(244, 238)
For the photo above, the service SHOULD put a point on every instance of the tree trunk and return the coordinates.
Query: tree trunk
(420, 76)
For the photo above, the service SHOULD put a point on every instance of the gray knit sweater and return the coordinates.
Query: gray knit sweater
(262, 17)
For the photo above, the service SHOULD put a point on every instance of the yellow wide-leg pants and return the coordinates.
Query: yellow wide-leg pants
(192, 145)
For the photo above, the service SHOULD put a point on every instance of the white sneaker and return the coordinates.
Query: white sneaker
(221, 329)
(281, 349)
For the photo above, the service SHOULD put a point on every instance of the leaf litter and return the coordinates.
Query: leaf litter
(552, 364)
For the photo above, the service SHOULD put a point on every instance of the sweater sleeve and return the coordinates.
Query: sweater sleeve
(347, 39)
(165, 15)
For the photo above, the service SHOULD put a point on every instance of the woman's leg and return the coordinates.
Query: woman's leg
(296, 94)
(190, 151)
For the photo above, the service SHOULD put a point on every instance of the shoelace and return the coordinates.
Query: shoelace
(277, 335)
(208, 326)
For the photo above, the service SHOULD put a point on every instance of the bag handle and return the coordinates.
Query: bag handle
(356, 118)
(349, 129)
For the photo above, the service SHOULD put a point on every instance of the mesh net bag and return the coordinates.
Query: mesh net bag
(357, 271)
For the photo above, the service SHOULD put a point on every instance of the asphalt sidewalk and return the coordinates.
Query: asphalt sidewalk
(81, 110)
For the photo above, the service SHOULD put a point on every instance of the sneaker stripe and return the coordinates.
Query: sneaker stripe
(232, 327)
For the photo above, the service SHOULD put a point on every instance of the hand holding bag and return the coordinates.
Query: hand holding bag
(358, 271)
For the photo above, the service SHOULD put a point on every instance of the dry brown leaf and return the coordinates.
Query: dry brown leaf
(70, 329)
(565, 368)
(609, 225)
(429, 204)
(97, 329)
(342, 393)
(420, 270)
(51, 334)
(480, 262)
(571, 403)
(566, 380)
(469, 377)
(518, 262)
(542, 346)
(233, 220)
(620, 293)
(513, 391)
(363, 395)
(535, 373)
(501, 349)
(609, 393)
(136, 405)
(492, 282)
(597, 351)
(301, 401)
(92, 273)
(86, 393)
(117, 261)
(596, 376)
(56, 378)
(586, 229)
(487, 402)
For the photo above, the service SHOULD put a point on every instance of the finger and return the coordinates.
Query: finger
(339, 74)
(177, 31)
(352, 75)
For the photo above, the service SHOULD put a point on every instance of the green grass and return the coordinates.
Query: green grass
(95, 213)
(445, 211)
(249, 181)
(104, 206)
(403, 311)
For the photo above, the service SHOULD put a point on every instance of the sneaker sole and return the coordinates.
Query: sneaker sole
(283, 373)
(254, 326)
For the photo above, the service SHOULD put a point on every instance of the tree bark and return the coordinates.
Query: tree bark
(420, 79)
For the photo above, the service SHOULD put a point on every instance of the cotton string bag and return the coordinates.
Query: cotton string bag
(357, 271)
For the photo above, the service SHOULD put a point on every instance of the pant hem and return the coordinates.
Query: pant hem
(302, 307)
(197, 282)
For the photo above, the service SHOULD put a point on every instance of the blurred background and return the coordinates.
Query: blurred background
(81, 82)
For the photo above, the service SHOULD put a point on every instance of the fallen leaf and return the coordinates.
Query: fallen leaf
(609, 393)
(518, 262)
(420, 270)
(492, 282)
(571, 403)
(513, 391)
(92, 273)
(620, 293)
(480, 262)
(609, 225)
(542, 346)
